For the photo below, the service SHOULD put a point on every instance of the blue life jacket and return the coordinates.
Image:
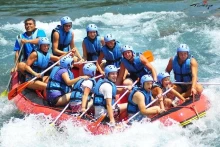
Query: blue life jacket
(77, 92)
(42, 62)
(56, 81)
(182, 73)
(28, 47)
(65, 38)
(132, 107)
(93, 48)
(136, 68)
(98, 97)
(113, 56)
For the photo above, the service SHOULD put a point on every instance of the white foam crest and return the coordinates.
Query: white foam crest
(6, 107)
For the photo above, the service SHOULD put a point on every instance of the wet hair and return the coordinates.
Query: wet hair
(30, 19)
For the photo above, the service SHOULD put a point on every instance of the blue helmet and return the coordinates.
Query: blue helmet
(89, 69)
(161, 76)
(183, 48)
(109, 37)
(66, 61)
(43, 40)
(109, 69)
(127, 48)
(91, 27)
(146, 78)
(64, 20)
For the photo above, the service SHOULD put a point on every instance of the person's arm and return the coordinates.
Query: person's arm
(169, 65)
(110, 110)
(177, 94)
(102, 41)
(98, 63)
(31, 59)
(149, 67)
(194, 69)
(157, 92)
(84, 51)
(69, 82)
(87, 85)
(54, 58)
(74, 48)
(121, 74)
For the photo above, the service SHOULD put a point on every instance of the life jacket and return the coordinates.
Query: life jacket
(136, 67)
(113, 56)
(77, 92)
(42, 62)
(98, 97)
(28, 47)
(93, 48)
(64, 38)
(182, 73)
(132, 107)
(56, 81)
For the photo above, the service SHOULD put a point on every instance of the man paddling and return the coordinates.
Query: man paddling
(185, 69)
(136, 64)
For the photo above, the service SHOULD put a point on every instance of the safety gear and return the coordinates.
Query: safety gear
(43, 40)
(182, 73)
(161, 76)
(109, 37)
(66, 61)
(146, 78)
(109, 69)
(112, 56)
(133, 108)
(183, 48)
(91, 27)
(127, 48)
(64, 20)
(89, 69)
(93, 48)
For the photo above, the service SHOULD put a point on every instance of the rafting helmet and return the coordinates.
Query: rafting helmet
(161, 76)
(66, 61)
(89, 69)
(91, 27)
(146, 78)
(183, 48)
(127, 48)
(109, 37)
(43, 40)
(109, 69)
(64, 20)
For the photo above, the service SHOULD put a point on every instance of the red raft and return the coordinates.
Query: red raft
(29, 102)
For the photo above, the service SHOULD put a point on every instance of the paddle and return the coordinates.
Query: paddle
(5, 92)
(148, 105)
(21, 87)
(92, 127)
(148, 55)
(203, 83)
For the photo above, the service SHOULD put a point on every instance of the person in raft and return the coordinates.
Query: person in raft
(111, 51)
(82, 91)
(136, 64)
(164, 84)
(185, 69)
(140, 97)
(36, 63)
(105, 93)
(62, 38)
(60, 83)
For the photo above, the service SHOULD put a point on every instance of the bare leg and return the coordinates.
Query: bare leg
(63, 100)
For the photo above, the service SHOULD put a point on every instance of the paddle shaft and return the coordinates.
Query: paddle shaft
(203, 83)
(148, 105)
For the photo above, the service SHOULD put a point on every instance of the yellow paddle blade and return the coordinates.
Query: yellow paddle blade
(4, 93)
(148, 55)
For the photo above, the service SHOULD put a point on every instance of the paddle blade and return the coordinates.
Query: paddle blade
(4, 93)
(17, 90)
(148, 55)
(93, 127)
